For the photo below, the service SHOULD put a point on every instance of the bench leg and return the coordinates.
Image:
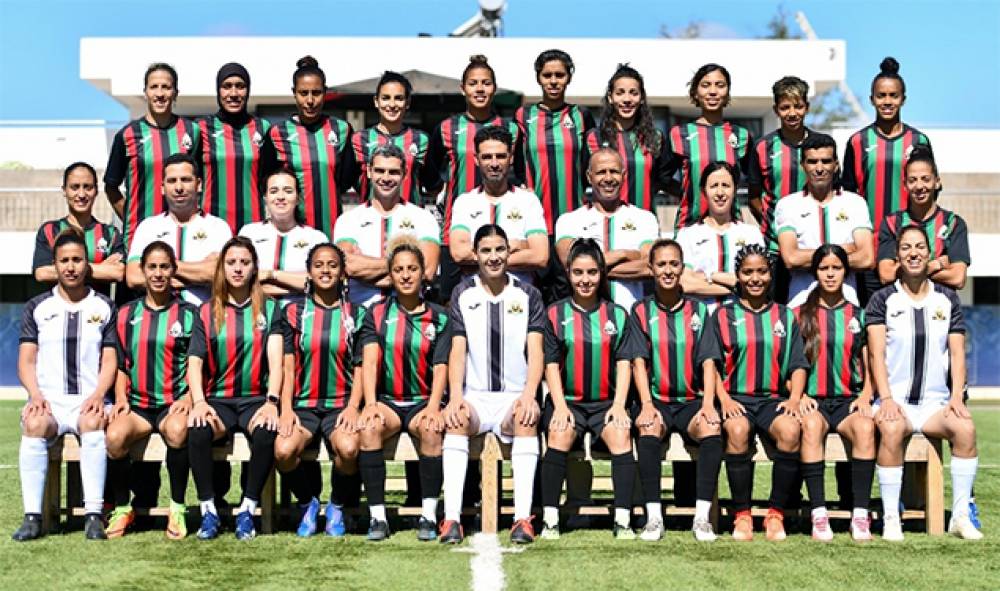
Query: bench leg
(934, 510)
(74, 490)
(268, 504)
(53, 494)
(490, 466)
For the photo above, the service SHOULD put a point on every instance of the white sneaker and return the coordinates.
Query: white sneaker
(861, 529)
(892, 528)
(961, 527)
(821, 531)
(702, 530)
(653, 532)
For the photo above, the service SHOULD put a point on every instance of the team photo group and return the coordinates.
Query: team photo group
(499, 275)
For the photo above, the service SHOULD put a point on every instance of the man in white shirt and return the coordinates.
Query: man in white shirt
(195, 236)
(625, 232)
(363, 232)
(818, 215)
(518, 211)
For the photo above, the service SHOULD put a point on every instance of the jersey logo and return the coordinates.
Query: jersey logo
(776, 154)
(199, 235)
(475, 214)
(938, 315)
(515, 214)
(515, 308)
(778, 329)
(870, 148)
(805, 215)
(695, 324)
(738, 321)
(163, 234)
(474, 306)
(392, 320)
(332, 139)
(300, 244)
(51, 316)
(406, 224)
(366, 223)
(897, 313)
(102, 246)
(854, 327)
(260, 240)
(176, 330)
(143, 140)
(841, 216)
(257, 139)
(531, 120)
(186, 142)
(430, 333)
(134, 321)
(610, 329)
(293, 137)
(692, 136)
(567, 322)
(306, 315)
(95, 319)
(218, 134)
(629, 226)
(372, 144)
(413, 149)
(460, 131)
(733, 140)
(700, 242)
(261, 323)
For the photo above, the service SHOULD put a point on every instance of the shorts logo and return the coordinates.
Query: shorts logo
(300, 244)
(854, 327)
(176, 330)
(261, 323)
(610, 329)
(95, 319)
(778, 329)
(695, 324)
(413, 150)
(515, 214)
(842, 216)
(733, 140)
(332, 139)
(257, 139)
(938, 315)
(515, 308)
(186, 142)
(406, 224)
(629, 227)
(430, 333)
(199, 235)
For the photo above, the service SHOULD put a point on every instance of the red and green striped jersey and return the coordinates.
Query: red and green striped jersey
(320, 154)
(873, 168)
(947, 235)
(413, 143)
(646, 173)
(235, 355)
(776, 167)
(451, 159)
(322, 341)
(232, 169)
(756, 352)
(696, 146)
(410, 345)
(553, 148)
(137, 155)
(837, 370)
(103, 240)
(153, 351)
(668, 340)
(587, 345)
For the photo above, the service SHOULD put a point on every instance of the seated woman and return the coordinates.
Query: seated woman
(405, 346)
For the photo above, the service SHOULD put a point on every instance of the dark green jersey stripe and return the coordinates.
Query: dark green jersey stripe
(153, 351)
(587, 345)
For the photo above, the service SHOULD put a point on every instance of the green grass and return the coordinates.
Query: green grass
(580, 560)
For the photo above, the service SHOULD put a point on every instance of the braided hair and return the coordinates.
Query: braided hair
(751, 250)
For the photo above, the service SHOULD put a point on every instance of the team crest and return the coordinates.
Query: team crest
(413, 149)
(430, 333)
(102, 246)
(186, 142)
(515, 214)
(740, 243)
(95, 319)
(733, 141)
(349, 323)
(943, 232)
(629, 226)
(568, 123)
(261, 323)
(938, 315)
(332, 139)
(778, 329)
(854, 327)
(842, 216)
(176, 330)
(515, 308)
(406, 224)
(908, 152)
(257, 139)
(695, 324)
(300, 244)
(610, 329)
(199, 235)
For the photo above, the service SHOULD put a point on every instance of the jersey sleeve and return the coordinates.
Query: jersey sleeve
(649, 228)
(343, 229)
(849, 180)
(114, 174)
(565, 227)
(287, 331)
(455, 319)
(710, 345)
(755, 176)
(43, 250)
(198, 345)
(875, 311)
(637, 341)
(862, 219)
(367, 334)
(797, 352)
(958, 242)
(347, 167)
(427, 227)
(553, 347)
(29, 328)
(431, 176)
(117, 240)
(442, 344)
(957, 323)
(460, 214)
(783, 221)
(109, 339)
(140, 240)
(665, 165)
(886, 250)
(361, 314)
(685, 239)
(221, 233)
(534, 217)
(744, 161)
(536, 311)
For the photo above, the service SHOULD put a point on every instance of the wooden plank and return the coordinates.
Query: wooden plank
(490, 469)
(935, 490)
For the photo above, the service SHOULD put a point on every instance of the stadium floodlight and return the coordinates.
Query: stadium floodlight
(485, 23)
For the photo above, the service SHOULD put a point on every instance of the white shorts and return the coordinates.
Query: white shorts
(495, 412)
(66, 413)
(918, 414)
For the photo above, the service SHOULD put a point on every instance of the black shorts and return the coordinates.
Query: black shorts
(588, 417)
(236, 413)
(760, 411)
(316, 420)
(153, 416)
(676, 415)
(834, 410)
(405, 412)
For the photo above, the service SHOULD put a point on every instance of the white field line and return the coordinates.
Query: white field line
(487, 562)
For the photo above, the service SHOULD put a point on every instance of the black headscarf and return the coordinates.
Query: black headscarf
(228, 70)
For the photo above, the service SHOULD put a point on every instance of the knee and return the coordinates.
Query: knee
(560, 440)
(90, 422)
(864, 432)
(892, 431)
(371, 436)
(786, 435)
(36, 426)
(346, 448)
(285, 449)
(813, 428)
(430, 441)
(174, 433)
(737, 432)
(964, 439)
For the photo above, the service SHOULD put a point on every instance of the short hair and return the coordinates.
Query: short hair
(554, 55)
(495, 133)
(403, 243)
(69, 236)
(817, 141)
(388, 151)
(182, 158)
(790, 87)
(605, 150)
(160, 67)
(718, 165)
(74, 166)
(486, 231)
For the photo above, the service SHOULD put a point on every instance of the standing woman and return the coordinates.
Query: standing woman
(105, 249)
(751, 352)
(321, 392)
(707, 139)
(392, 100)
(153, 333)
(875, 156)
(405, 349)
(451, 157)
(588, 374)
(139, 149)
(552, 132)
(317, 147)
(234, 153)
(281, 241)
(234, 373)
(838, 391)
(916, 323)
(711, 245)
(627, 126)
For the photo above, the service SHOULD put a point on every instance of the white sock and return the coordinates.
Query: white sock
(654, 511)
(963, 474)
(454, 463)
(860, 512)
(208, 507)
(523, 460)
(248, 505)
(890, 482)
(701, 509)
(33, 461)
(622, 516)
(429, 509)
(819, 512)
(93, 467)
(377, 512)
(550, 515)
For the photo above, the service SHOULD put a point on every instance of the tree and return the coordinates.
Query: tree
(690, 31)
(778, 28)
(828, 109)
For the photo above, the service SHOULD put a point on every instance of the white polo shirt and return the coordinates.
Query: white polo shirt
(193, 241)
(628, 228)
(371, 230)
(282, 251)
(817, 224)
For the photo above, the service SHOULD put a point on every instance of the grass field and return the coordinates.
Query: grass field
(580, 560)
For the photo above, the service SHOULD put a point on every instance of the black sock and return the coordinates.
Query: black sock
(812, 473)
(784, 475)
(650, 451)
(261, 462)
(345, 489)
(222, 479)
(553, 476)
(414, 493)
(145, 483)
(200, 455)
(295, 480)
(862, 472)
(118, 476)
(707, 468)
(431, 476)
(312, 481)
(371, 466)
(178, 465)
(845, 485)
(623, 470)
(739, 469)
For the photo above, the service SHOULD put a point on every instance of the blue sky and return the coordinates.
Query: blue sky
(949, 49)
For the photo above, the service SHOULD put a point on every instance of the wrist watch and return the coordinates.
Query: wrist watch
(273, 399)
